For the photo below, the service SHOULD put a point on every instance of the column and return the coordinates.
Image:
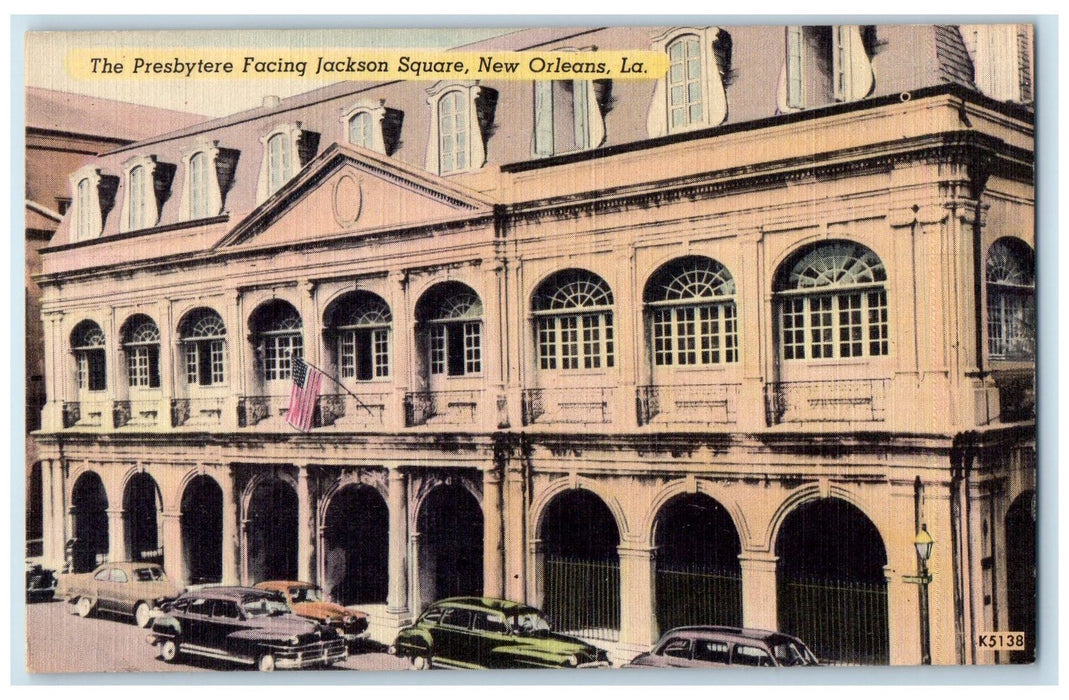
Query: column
(231, 545)
(515, 535)
(243, 549)
(755, 332)
(173, 556)
(638, 590)
(304, 526)
(47, 541)
(397, 495)
(759, 589)
(493, 544)
(58, 528)
(116, 535)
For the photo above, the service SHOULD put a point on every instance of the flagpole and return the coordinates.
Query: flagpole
(342, 386)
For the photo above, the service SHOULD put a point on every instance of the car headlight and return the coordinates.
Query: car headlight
(294, 640)
(572, 660)
(347, 620)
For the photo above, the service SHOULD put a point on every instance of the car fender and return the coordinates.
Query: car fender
(413, 641)
(166, 627)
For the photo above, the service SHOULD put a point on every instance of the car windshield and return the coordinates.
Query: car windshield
(262, 607)
(791, 654)
(306, 595)
(150, 573)
(529, 622)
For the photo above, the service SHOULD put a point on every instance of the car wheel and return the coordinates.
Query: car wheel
(421, 663)
(266, 663)
(84, 607)
(142, 615)
(169, 651)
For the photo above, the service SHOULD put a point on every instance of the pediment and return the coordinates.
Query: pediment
(351, 191)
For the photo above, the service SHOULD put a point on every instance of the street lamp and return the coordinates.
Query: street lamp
(924, 543)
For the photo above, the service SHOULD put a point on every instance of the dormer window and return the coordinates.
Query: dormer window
(371, 125)
(463, 114)
(1002, 59)
(209, 170)
(693, 93)
(286, 150)
(147, 183)
(568, 115)
(825, 64)
(92, 200)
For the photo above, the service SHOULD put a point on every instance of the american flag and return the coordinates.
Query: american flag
(303, 396)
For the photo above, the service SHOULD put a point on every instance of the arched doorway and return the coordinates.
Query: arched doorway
(271, 544)
(202, 530)
(356, 545)
(450, 526)
(581, 566)
(832, 590)
(699, 581)
(1021, 573)
(89, 513)
(141, 505)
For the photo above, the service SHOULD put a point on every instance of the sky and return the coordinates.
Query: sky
(46, 51)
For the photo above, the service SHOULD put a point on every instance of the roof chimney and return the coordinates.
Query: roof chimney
(271, 101)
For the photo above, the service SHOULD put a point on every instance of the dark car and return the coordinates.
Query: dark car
(491, 633)
(244, 625)
(698, 647)
(40, 582)
(308, 600)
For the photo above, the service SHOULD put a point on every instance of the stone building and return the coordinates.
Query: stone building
(712, 348)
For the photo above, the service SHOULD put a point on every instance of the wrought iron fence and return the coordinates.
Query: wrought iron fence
(567, 405)
(698, 596)
(692, 403)
(843, 622)
(583, 597)
(855, 400)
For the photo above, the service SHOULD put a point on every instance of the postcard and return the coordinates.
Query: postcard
(544, 347)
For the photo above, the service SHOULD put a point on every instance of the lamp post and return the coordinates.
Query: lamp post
(923, 542)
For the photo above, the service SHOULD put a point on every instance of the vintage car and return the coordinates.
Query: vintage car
(711, 646)
(490, 633)
(308, 600)
(40, 582)
(127, 588)
(246, 626)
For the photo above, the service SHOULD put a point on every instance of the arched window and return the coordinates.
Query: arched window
(454, 132)
(360, 130)
(691, 310)
(362, 325)
(573, 321)
(279, 162)
(87, 344)
(203, 338)
(1011, 301)
(141, 345)
(685, 82)
(832, 303)
(277, 329)
(451, 314)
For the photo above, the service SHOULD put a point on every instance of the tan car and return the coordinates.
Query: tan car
(308, 600)
(128, 588)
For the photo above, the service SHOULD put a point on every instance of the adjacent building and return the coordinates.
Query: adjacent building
(712, 348)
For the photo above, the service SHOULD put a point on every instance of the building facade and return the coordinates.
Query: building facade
(712, 348)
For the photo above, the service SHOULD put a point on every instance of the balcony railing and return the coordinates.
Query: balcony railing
(458, 407)
(253, 410)
(86, 414)
(688, 403)
(143, 413)
(346, 410)
(587, 405)
(196, 412)
(847, 400)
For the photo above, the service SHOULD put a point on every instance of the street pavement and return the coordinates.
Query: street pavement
(58, 641)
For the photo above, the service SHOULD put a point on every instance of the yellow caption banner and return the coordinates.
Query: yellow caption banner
(364, 64)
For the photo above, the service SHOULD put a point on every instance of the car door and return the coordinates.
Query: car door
(676, 652)
(120, 592)
(226, 619)
(488, 632)
(452, 638)
(106, 584)
(711, 652)
(747, 655)
(197, 622)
